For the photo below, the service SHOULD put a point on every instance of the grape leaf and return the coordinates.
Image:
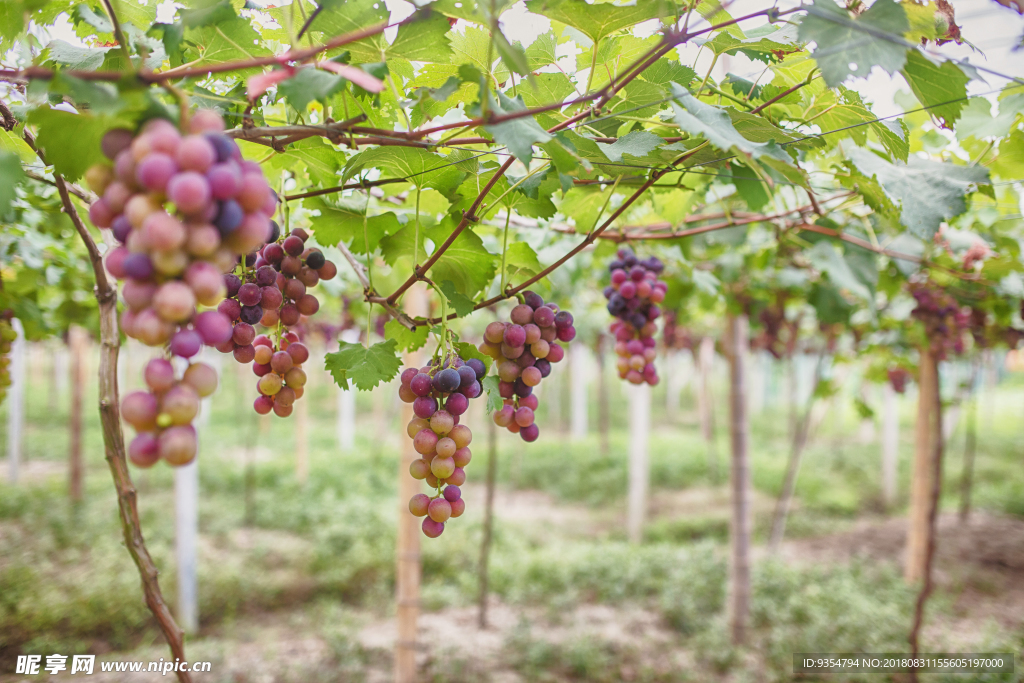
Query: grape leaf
(344, 223)
(467, 350)
(824, 257)
(715, 125)
(364, 367)
(941, 87)
(894, 136)
(418, 166)
(11, 176)
(494, 400)
(521, 259)
(461, 304)
(852, 46)
(597, 20)
(542, 51)
(74, 57)
(636, 143)
(466, 262)
(310, 85)
(928, 192)
(406, 339)
(71, 142)
(519, 135)
(976, 119)
(318, 158)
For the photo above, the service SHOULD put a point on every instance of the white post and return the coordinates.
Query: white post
(346, 422)
(579, 367)
(890, 443)
(16, 400)
(639, 468)
(755, 394)
(186, 537)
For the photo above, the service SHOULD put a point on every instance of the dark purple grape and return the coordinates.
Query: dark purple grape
(473, 390)
(447, 380)
(608, 292)
(275, 230)
(121, 227)
(249, 294)
(563, 319)
(457, 403)
(229, 216)
(515, 336)
(251, 314)
(478, 367)
(223, 145)
(232, 283)
(420, 384)
(521, 388)
(533, 300)
(138, 266)
(293, 245)
(316, 260)
(467, 376)
(452, 493)
(186, 343)
(250, 259)
(567, 334)
(544, 366)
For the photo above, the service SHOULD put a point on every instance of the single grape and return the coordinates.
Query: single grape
(442, 468)
(457, 477)
(452, 493)
(419, 503)
(457, 404)
(445, 447)
(458, 507)
(144, 450)
(432, 529)
(139, 409)
(441, 421)
(439, 510)
(178, 445)
(529, 433)
(201, 377)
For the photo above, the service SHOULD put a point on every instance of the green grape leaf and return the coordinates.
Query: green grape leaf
(208, 13)
(894, 136)
(343, 223)
(544, 89)
(364, 367)
(494, 400)
(512, 54)
(751, 188)
(848, 46)
(824, 257)
(928, 192)
(310, 85)
(74, 57)
(976, 119)
(597, 20)
(942, 87)
(418, 166)
(1009, 162)
(519, 135)
(11, 176)
(461, 304)
(542, 51)
(71, 142)
(466, 262)
(521, 260)
(318, 158)
(715, 125)
(636, 143)
(407, 340)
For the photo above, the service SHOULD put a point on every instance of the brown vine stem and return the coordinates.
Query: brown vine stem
(113, 440)
(118, 33)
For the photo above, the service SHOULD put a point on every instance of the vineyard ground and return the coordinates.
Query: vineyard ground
(296, 584)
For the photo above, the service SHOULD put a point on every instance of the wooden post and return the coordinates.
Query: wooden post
(580, 369)
(740, 527)
(407, 588)
(924, 534)
(16, 401)
(706, 404)
(970, 446)
(301, 442)
(346, 419)
(603, 410)
(890, 444)
(921, 483)
(485, 545)
(78, 339)
(639, 466)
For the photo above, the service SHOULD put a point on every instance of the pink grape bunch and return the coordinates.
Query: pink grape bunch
(162, 416)
(898, 378)
(633, 298)
(281, 380)
(183, 208)
(946, 322)
(524, 350)
(440, 393)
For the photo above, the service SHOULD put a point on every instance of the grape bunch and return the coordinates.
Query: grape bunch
(162, 416)
(633, 298)
(439, 393)
(898, 378)
(524, 350)
(945, 321)
(7, 337)
(272, 293)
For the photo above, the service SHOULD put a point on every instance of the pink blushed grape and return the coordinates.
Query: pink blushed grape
(213, 326)
(138, 295)
(201, 377)
(418, 504)
(432, 529)
(144, 450)
(439, 510)
(174, 301)
(189, 191)
(225, 180)
(186, 343)
(139, 409)
(195, 153)
(180, 404)
(205, 121)
(159, 374)
(253, 194)
(178, 445)
(163, 232)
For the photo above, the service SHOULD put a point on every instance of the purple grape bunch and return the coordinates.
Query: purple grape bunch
(524, 350)
(440, 393)
(633, 298)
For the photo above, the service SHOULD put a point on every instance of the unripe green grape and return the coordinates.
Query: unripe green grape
(442, 468)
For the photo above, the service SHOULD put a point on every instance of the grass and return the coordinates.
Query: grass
(272, 543)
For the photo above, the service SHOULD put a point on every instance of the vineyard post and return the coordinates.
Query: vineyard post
(485, 545)
(737, 343)
(407, 588)
(603, 410)
(301, 442)
(925, 450)
(705, 403)
(346, 418)
(930, 444)
(890, 444)
(16, 401)
(580, 372)
(639, 465)
(970, 446)
(78, 340)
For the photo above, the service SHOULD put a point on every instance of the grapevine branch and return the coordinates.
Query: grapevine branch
(110, 418)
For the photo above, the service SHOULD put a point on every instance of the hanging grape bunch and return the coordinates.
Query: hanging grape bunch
(184, 208)
(524, 350)
(163, 415)
(7, 337)
(440, 393)
(633, 298)
(945, 321)
(898, 378)
(271, 292)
